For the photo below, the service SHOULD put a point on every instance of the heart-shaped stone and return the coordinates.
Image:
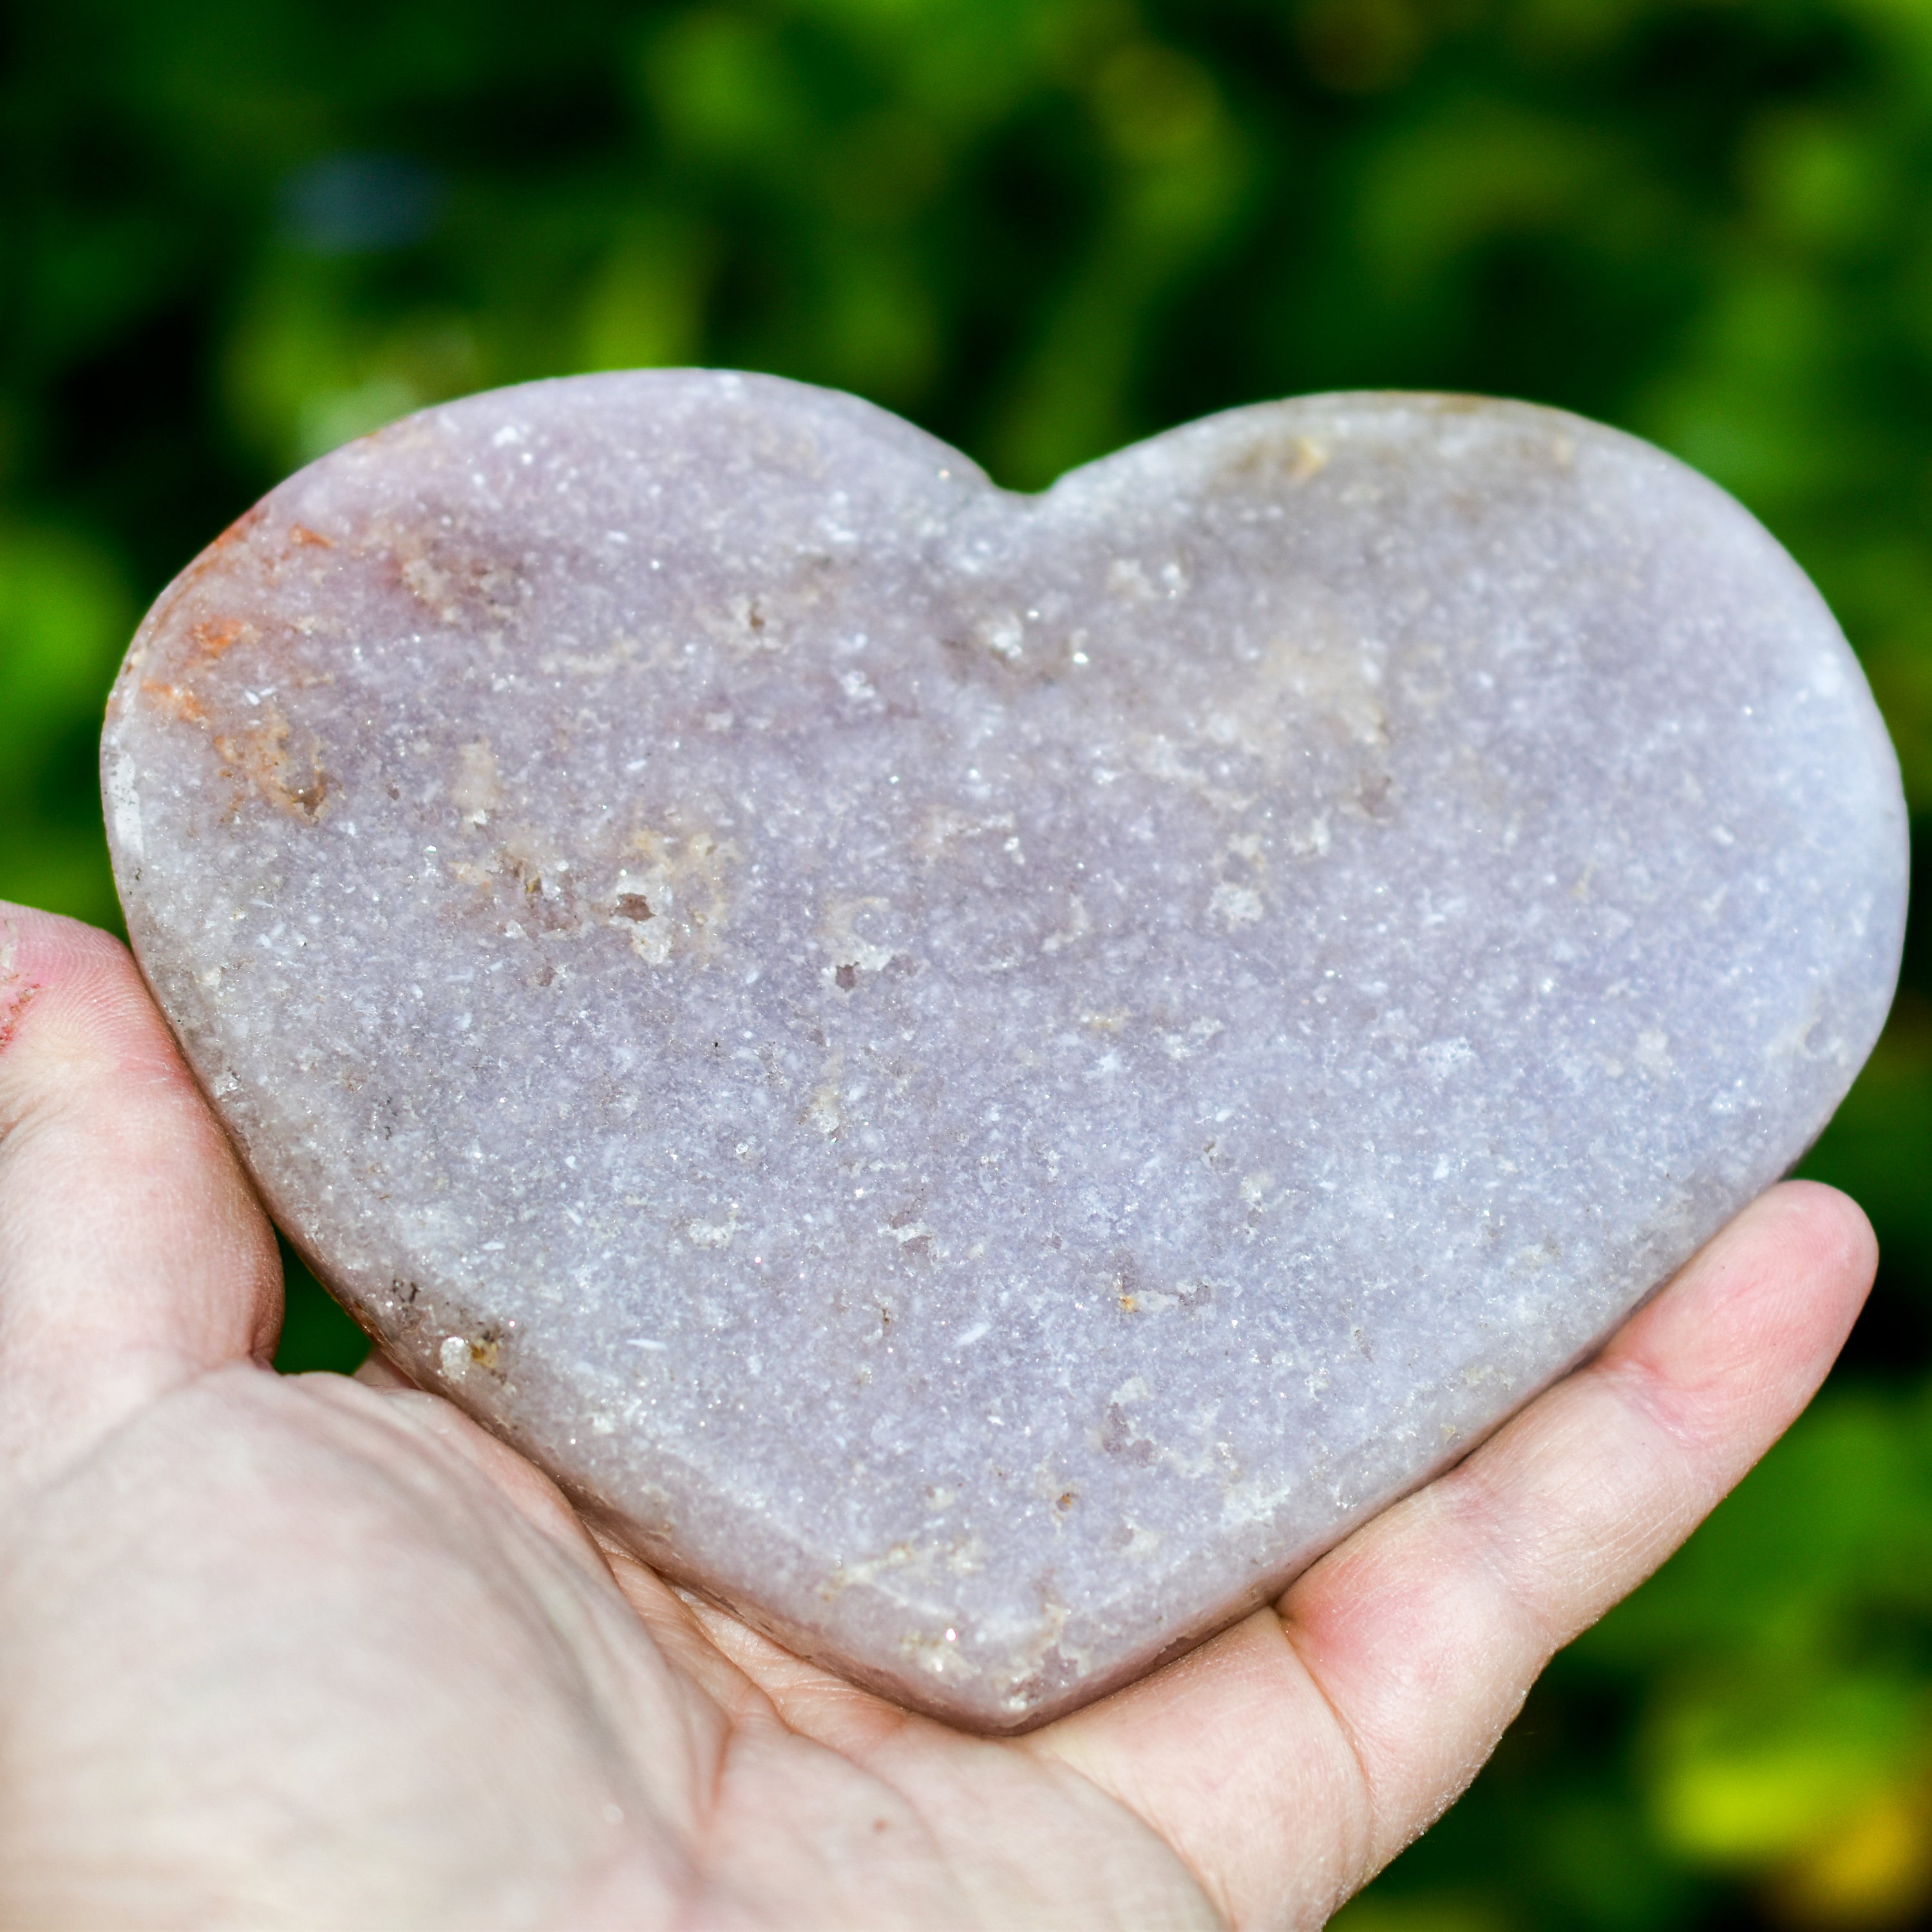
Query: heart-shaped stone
(984, 1075)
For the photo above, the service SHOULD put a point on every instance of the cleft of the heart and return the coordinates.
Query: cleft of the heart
(981, 1076)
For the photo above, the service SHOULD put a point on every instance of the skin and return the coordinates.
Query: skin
(313, 1651)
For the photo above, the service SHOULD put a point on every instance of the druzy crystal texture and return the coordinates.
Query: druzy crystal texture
(983, 1075)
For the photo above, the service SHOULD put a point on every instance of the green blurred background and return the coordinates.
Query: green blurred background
(234, 233)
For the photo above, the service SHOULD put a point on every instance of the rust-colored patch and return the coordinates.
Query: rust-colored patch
(200, 610)
(224, 625)
(214, 635)
(173, 702)
(258, 755)
(239, 529)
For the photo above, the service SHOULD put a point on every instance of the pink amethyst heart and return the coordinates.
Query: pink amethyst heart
(983, 1076)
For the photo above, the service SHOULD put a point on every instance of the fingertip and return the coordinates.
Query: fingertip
(1829, 1229)
(87, 1002)
(132, 1251)
(43, 951)
(47, 938)
(1737, 1343)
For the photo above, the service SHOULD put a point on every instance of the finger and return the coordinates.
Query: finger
(382, 1371)
(134, 1254)
(1293, 1757)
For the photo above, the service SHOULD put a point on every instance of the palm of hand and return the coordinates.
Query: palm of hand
(319, 1651)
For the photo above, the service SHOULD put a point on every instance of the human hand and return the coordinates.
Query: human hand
(313, 1651)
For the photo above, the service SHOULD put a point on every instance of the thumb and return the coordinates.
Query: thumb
(133, 1255)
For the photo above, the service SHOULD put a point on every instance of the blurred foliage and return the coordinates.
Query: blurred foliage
(235, 232)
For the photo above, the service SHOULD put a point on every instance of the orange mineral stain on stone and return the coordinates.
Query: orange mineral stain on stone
(243, 527)
(258, 755)
(173, 702)
(232, 628)
(213, 636)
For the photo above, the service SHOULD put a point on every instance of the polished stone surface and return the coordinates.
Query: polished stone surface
(987, 1075)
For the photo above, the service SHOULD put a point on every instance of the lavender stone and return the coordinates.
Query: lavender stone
(985, 1076)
